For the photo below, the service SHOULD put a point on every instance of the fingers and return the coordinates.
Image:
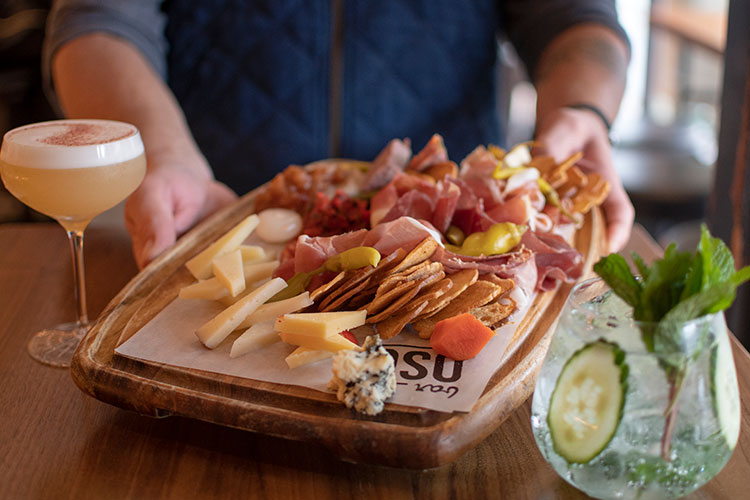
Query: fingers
(166, 205)
(150, 222)
(568, 131)
(218, 196)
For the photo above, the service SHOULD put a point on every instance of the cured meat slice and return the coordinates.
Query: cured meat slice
(433, 152)
(479, 164)
(389, 162)
(310, 253)
(555, 259)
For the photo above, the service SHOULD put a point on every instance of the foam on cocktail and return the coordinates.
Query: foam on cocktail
(71, 144)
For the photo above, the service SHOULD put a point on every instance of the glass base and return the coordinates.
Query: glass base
(55, 346)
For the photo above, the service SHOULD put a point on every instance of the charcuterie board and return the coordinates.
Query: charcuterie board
(401, 436)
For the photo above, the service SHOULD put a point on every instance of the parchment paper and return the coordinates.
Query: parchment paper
(424, 379)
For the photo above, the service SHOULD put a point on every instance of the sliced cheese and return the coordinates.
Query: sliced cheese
(321, 324)
(210, 289)
(257, 336)
(218, 328)
(271, 311)
(252, 253)
(200, 265)
(229, 271)
(255, 275)
(304, 356)
(332, 343)
(256, 271)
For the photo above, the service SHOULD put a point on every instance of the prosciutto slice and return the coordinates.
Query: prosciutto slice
(416, 197)
(555, 259)
(389, 162)
(433, 152)
(480, 163)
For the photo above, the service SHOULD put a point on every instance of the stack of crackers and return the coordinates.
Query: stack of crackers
(411, 288)
(584, 190)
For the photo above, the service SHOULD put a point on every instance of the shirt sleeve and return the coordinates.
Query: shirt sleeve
(140, 22)
(532, 24)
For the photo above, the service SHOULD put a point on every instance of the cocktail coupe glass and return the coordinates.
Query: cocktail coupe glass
(609, 418)
(71, 170)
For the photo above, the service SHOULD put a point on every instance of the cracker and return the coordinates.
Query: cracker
(576, 179)
(323, 289)
(351, 280)
(492, 314)
(417, 272)
(460, 280)
(419, 253)
(592, 194)
(478, 294)
(505, 283)
(383, 300)
(395, 324)
(395, 306)
(430, 293)
(336, 304)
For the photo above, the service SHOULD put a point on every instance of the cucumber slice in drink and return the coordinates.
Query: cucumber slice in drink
(586, 405)
(725, 390)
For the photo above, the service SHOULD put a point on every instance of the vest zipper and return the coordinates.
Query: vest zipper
(335, 77)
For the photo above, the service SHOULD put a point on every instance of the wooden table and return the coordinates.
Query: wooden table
(55, 442)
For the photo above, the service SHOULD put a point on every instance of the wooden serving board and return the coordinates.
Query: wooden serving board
(401, 436)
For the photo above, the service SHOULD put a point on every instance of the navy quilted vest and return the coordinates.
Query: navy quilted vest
(268, 83)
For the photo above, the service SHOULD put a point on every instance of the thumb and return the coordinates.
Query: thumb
(150, 222)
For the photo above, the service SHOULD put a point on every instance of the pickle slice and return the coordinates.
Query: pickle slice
(586, 405)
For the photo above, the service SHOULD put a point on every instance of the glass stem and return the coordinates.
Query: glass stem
(75, 237)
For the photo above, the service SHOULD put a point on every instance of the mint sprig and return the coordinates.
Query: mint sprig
(679, 287)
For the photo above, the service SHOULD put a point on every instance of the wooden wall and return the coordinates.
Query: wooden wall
(729, 205)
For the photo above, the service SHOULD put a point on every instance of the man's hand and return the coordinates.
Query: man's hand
(566, 131)
(170, 200)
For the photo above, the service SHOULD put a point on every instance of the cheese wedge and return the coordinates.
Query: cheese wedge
(257, 336)
(304, 356)
(271, 311)
(321, 324)
(219, 327)
(332, 343)
(229, 271)
(210, 289)
(253, 253)
(256, 271)
(200, 265)
(256, 274)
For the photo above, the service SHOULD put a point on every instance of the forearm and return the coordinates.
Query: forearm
(584, 64)
(102, 76)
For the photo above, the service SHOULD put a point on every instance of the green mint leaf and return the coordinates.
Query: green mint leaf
(640, 264)
(663, 288)
(718, 263)
(713, 299)
(694, 279)
(615, 272)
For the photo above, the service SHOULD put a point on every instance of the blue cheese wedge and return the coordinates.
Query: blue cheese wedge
(365, 377)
